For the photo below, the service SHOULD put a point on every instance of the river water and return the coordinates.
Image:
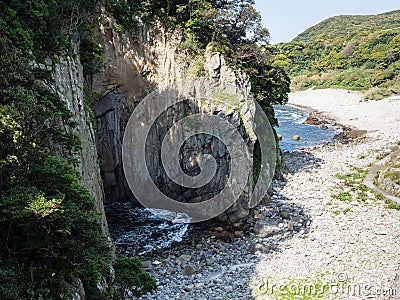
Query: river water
(137, 231)
(291, 123)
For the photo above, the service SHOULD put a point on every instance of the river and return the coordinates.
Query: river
(291, 120)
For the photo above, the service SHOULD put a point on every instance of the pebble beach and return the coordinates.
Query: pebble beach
(322, 235)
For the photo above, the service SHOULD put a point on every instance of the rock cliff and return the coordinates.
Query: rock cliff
(68, 83)
(134, 64)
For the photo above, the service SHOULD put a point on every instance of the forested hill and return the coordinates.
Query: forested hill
(349, 26)
(351, 52)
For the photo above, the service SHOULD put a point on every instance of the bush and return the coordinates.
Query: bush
(377, 93)
(8, 283)
(302, 82)
(131, 278)
(90, 55)
(394, 88)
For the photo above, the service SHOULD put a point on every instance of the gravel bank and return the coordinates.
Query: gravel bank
(304, 238)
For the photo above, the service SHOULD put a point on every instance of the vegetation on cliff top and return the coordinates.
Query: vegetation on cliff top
(231, 27)
(352, 52)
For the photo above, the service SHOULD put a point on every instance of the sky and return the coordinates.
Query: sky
(285, 19)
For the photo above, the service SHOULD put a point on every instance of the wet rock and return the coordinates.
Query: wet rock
(223, 235)
(314, 119)
(296, 137)
(349, 134)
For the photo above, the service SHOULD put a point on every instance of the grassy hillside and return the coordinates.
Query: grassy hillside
(349, 26)
(352, 52)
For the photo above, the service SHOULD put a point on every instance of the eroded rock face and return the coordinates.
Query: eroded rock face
(68, 83)
(110, 114)
(135, 65)
(196, 146)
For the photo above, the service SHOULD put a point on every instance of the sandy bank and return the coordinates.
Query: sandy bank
(349, 108)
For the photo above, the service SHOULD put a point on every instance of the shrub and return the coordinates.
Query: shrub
(131, 278)
(8, 283)
(49, 229)
(301, 82)
(376, 93)
(90, 55)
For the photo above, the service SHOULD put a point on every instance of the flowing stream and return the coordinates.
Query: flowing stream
(137, 231)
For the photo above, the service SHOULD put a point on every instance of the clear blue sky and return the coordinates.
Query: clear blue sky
(287, 18)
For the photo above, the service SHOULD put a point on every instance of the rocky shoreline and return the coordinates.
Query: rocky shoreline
(308, 236)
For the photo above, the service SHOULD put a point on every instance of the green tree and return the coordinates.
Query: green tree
(49, 229)
(332, 61)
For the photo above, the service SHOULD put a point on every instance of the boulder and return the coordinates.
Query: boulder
(188, 270)
(266, 227)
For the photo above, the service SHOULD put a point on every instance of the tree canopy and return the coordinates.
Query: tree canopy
(232, 27)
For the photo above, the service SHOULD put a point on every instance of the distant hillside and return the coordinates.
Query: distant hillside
(349, 26)
(352, 52)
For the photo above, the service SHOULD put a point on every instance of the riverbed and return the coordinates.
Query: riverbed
(291, 123)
